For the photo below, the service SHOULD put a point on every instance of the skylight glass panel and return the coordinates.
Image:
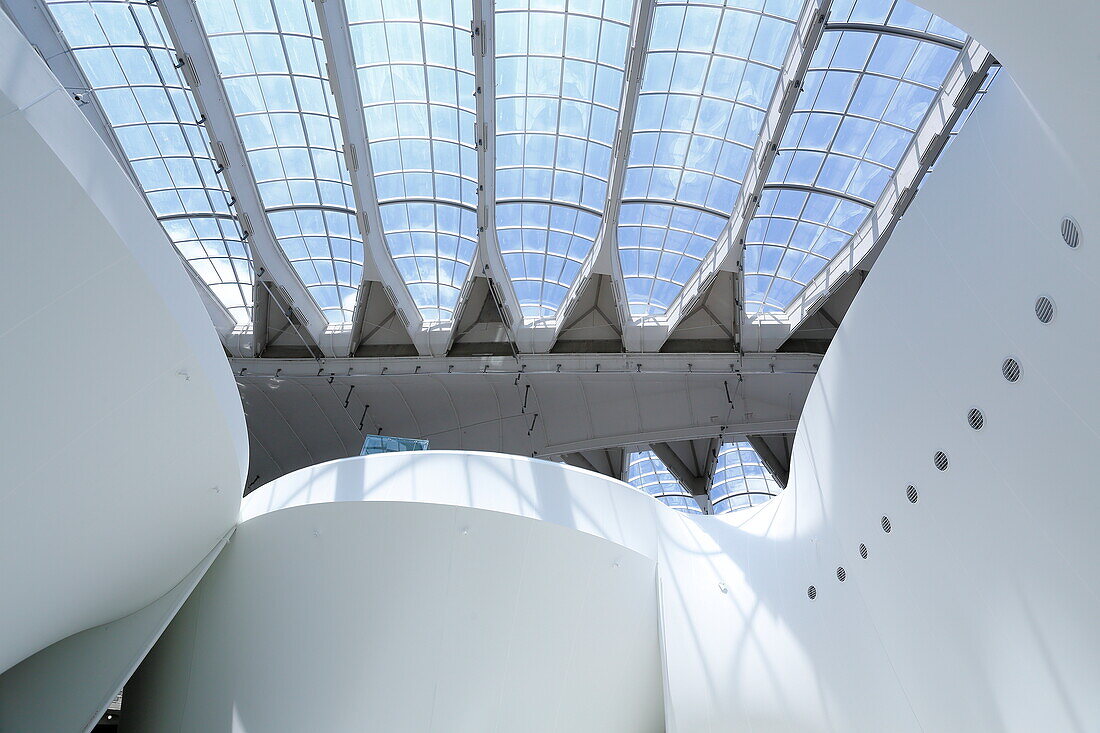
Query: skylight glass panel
(710, 73)
(740, 479)
(863, 98)
(125, 53)
(272, 61)
(647, 473)
(416, 80)
(559, 81)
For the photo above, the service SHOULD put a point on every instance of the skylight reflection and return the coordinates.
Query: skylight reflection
(710, 73)
(863, 98)
(272, 61)
(416, 81)
(559, 81)
(740, 479)
(125, 53)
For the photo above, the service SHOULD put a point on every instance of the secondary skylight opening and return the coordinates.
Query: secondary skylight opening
(741, 479)
(647, 473)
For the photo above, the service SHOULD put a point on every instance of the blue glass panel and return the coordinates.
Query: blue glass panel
(740, 479)
(647, 473)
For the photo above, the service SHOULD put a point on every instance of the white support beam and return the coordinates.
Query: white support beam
(695, 484)
(604, 257)
(962, 83)
(727, 253)
(489, 262)
(378, 266)
(189, 39)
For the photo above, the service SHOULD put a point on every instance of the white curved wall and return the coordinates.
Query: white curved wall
(121, 416)
(364, 614)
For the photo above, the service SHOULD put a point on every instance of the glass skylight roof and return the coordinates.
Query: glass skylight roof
(740, 479)
(710, 72)
(863, 97)
(272, 61)
(559, 81)
(416, 81)
(647, 473)
(126, 55)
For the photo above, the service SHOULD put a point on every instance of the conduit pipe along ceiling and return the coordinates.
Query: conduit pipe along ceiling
(544, 136)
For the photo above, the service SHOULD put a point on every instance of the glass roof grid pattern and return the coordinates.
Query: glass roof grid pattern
(414, 65)
(896, 14)
(864, 95)
(740, 479)
(271, 60)
(559, 81)
(710, 73)
(646, 472)
(125, 53)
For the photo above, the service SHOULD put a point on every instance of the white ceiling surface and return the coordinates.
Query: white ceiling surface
(393, 616)
(123, 443)
(298, 418)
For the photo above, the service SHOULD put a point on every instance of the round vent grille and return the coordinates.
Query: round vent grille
(886, 524)
(940, 459)
(975, 418)
(911, 494)
(811, 592)
(1044, 309)
(1071, 233)
(863, 550)
(841, 575)
(1011, 369)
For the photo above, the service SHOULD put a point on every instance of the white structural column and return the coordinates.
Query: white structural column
(727, 252)
(604, 258)
(489, 262)
(378, 266)
(962, 83)
(271, 265)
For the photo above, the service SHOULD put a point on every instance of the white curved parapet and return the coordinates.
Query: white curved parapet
(123, 448)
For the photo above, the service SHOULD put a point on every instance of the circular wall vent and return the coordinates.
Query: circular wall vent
(886, 524)
(1071, 233)
(1010, 369)
(863, 550)
(975, 418)
(811, 592)
(1044, 309)
(911, 494)
(841, 575)
(940, 459)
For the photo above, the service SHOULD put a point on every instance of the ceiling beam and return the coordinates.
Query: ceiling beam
(378, 266)
(690, 480)
(779, 468)
(604, 257)
(728, 250)
(489, 262)
(270, 263)
(959, 89)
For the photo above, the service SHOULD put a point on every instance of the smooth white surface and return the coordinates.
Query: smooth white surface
(396, 616)
(69, 685)
(121, 416)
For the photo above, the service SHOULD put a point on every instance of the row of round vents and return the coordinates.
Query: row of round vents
(1010, 369)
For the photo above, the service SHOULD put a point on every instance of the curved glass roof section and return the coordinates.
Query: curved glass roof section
(710, 72)
(871, 80)
(646, 472)
(559, 81)
(416, 82)
(740, 479)
(271, 60)
(125, 53)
